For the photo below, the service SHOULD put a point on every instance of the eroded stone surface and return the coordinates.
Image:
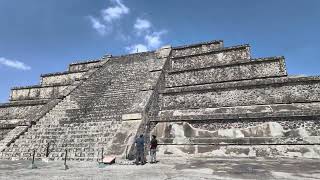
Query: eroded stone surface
(232, 72)
(200, 100)
(214, 58)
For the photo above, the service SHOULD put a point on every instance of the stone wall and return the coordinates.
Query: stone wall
(307, 91)
(4, 132)
(236, 151)
(84, 66)
(37, 92)
(241, 112)
(17, 112)
(261, 68)
(63, 78)
(217, 57)
(280, 136)
(196, 48)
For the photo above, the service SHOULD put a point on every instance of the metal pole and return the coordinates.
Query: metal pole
(47, 152)
(65, 157)
(34, 152)
(33, 166)
(65, 160)
(102, 155)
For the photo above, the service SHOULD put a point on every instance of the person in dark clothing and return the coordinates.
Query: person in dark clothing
(153, 149)
(140, 150)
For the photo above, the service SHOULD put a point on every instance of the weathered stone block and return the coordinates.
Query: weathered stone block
(64, 78)
(261, 68)
(196, 48)
(218, 102)
(212, 58)
(134, 116)
(243, 96)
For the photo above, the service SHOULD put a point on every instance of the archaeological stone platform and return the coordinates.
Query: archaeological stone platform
(200, 100)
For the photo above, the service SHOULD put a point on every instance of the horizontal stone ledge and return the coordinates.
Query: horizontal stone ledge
(133, 54)
(7, 126)
(293, 108)
(244, 83)
(47, 92)
(214, 51)
(237, 71)
(40, 86)
(62, 73)
(237, 63)
(67, 83)
(245, 117)
(34, 99)
(85, 62)
(131, 116)
(11, 120)
(197, 44)
(24, 103)
(314, 140)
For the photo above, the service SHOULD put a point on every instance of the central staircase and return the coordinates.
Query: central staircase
(88, 119)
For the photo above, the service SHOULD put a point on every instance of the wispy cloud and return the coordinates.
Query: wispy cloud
(109, 16)
(98, 26)
(14, 64)
(142, 30)
(152, 40)
(115, 12)
(142, 24)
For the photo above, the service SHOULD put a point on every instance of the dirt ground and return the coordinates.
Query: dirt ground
(167, 168)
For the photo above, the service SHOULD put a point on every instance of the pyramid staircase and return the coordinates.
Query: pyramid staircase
(93, 115)
(201, 99)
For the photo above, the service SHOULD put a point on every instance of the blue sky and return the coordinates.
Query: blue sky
(45, 36)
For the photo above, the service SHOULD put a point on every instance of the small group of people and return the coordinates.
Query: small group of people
(140, 155)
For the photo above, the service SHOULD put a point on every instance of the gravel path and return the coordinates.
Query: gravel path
(167, 168)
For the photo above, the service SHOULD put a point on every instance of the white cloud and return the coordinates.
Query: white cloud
(137, 48)
(142, 24)
(154, 40)
(14, 64)
(114, 12)
(98, 26)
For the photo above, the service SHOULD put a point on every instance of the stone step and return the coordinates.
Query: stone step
(254, 69)
(270, 110)
(85, 65)
(38, 92)
(215, 57)
(283, 90)
(241, 141)
(196, 48)
(18, 112)
(12, 135)
(61, 78)
(89, 117)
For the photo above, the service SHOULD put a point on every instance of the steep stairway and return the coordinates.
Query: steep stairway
(89, 118)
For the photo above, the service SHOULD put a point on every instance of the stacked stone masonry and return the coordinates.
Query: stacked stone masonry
(27, 101)
(89, 118)
(202, 99)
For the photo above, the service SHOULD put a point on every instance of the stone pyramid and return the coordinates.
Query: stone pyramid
(200, 100)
